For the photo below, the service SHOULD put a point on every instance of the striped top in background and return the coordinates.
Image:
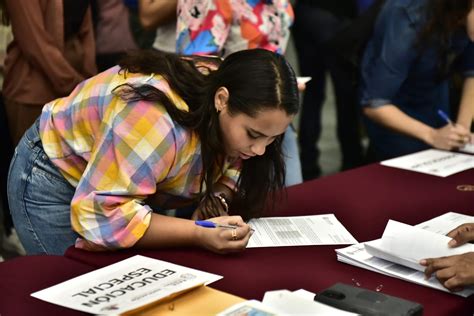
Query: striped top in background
(124, 158)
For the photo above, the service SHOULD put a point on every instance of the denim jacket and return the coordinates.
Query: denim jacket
(394, 71)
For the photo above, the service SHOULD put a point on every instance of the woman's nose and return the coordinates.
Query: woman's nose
(258, 148)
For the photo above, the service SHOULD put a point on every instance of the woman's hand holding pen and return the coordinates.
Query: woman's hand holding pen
(230, 234)
(450, 136)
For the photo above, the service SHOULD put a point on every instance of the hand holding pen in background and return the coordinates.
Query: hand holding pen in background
(451, 136)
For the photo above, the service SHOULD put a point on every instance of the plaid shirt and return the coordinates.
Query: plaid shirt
(118, 154)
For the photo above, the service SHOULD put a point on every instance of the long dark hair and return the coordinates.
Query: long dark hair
(444, 18)
(256, 80)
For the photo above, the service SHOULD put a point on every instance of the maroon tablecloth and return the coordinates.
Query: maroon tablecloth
(362, 199)
(22, 276)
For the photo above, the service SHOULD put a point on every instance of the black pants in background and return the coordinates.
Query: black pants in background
(313, 27)
(6, 154)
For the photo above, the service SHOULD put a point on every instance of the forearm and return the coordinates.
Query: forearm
(154, 13)
(393, 118)
(466, 108)
(166, 231)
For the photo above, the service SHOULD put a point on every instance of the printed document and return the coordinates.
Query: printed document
(433, 161)
(445, 223)
(298, 231)
(412, 251)
(124, 286)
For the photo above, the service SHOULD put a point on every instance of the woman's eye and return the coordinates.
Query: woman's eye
(251, 135)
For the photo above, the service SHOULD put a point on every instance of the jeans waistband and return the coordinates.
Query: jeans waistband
(32, 136)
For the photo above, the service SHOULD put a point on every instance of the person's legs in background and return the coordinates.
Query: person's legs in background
(9, 244)
(309, 34)
(6, 156)
(348, 115)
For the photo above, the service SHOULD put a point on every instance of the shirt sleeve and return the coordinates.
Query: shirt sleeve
(388, 57)
(231, 174)
(202, 26)
(137, 151)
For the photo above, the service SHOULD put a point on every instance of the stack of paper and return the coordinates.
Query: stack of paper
(402, 246)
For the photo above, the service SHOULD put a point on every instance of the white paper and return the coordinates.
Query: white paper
(445, 223)
(298, 231)
(124, 286)
(284, 302)
(357, 255)
(434, 162)
(305, 294)
(289, 303)
(468, 148)
(407, 245)
(250, 308)
(302, 80)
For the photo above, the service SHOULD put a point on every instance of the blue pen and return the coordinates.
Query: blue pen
(445, 117)
(209, 224)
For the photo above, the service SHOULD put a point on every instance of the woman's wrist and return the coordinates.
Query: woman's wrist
(222, 200)
(429, 135)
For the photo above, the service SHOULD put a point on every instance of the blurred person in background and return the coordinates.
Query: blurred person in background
(52, 51)
(415, 46)
(113, 36)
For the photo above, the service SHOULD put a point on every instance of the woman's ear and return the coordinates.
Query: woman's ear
(221, 99)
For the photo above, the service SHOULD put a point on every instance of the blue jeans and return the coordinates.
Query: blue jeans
(39, 198)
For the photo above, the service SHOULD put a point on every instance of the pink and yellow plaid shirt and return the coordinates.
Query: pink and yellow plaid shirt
(118, 154)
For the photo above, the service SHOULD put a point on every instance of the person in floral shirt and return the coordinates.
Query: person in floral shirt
(225, 26)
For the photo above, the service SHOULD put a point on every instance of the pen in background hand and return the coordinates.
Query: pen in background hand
(445, 117)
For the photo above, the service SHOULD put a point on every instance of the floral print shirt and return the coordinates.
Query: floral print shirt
(221, 27)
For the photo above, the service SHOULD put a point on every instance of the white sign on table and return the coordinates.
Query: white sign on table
(124, 286)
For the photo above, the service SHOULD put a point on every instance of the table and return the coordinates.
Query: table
(21, 276)
(363, 200)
